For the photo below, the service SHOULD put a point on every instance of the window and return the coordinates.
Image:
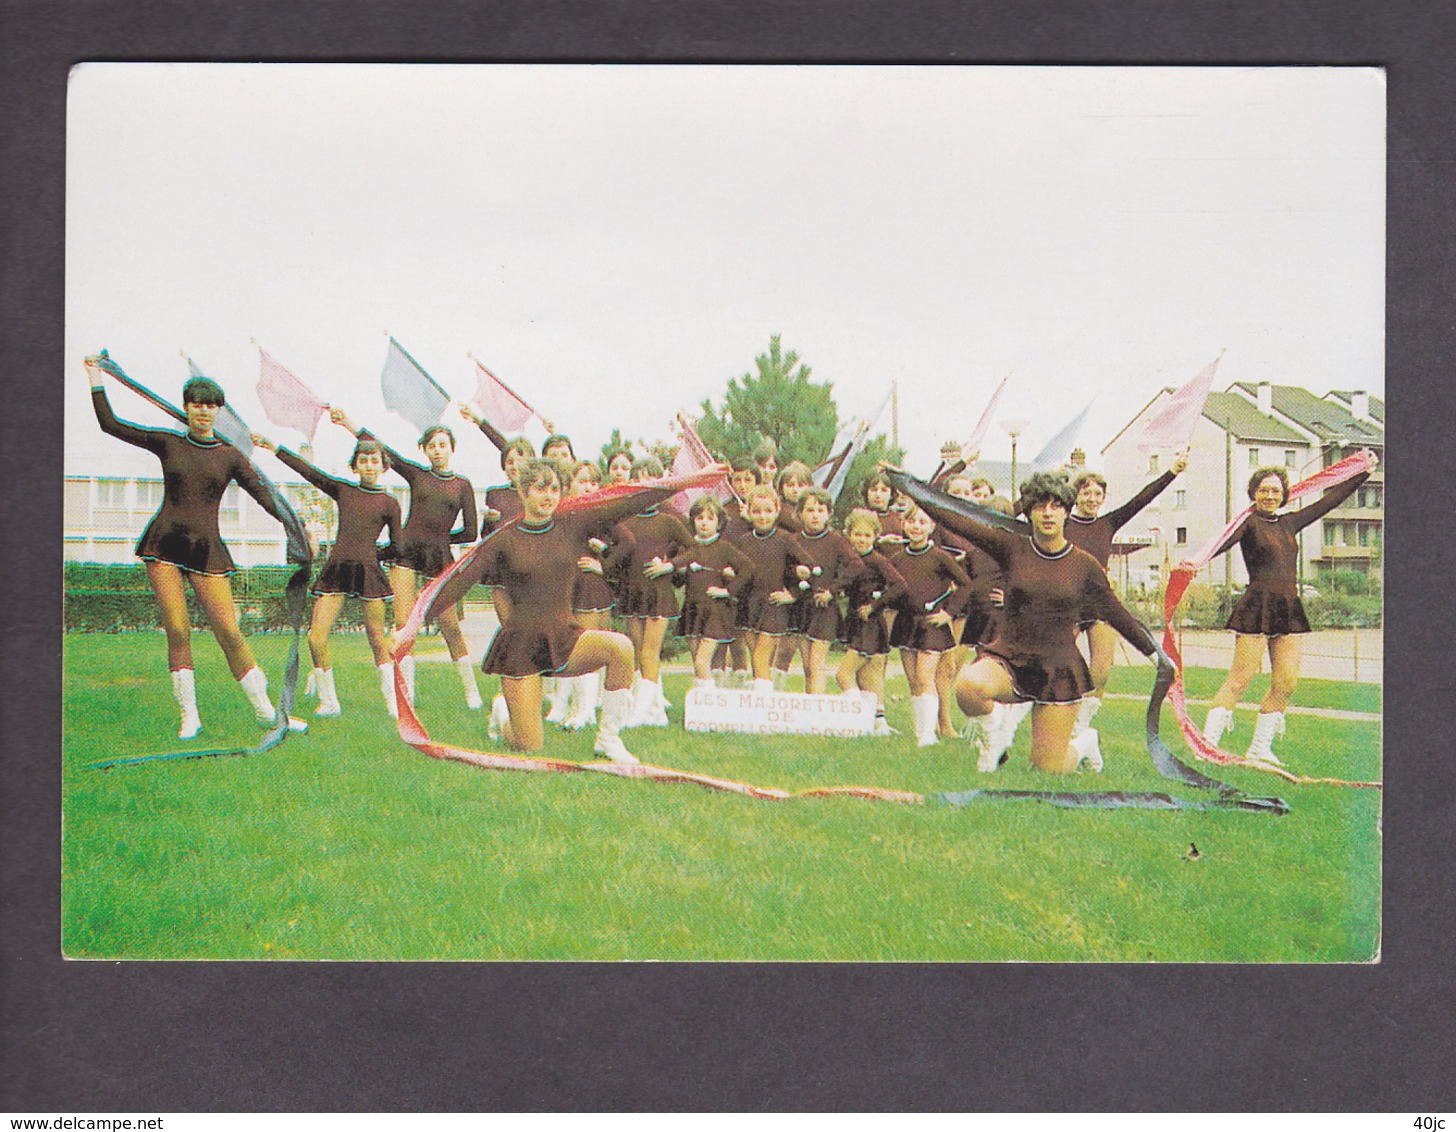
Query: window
(1153, 464)
(111, 493)
(1365, 529)
(149, 494)
(1253, 457)
(1182, 536)
(1153, 571)
(1180, 499)
(1289, 457)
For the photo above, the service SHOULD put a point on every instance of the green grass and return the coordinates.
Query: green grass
(347, 844)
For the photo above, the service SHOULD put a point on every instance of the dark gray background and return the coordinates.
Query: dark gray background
(254, 1037)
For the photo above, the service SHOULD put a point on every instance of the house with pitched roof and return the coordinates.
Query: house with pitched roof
(1248, 426)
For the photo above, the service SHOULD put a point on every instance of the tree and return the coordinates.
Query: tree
(779, 403)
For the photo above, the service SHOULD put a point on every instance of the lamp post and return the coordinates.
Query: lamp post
(1013, 428)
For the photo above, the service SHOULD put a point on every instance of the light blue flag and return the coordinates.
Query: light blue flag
(410, 391)
(228, 424)
(1059, 447)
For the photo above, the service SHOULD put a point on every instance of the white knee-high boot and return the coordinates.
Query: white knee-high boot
(616, 704)
(184, 688)
(1217, 723)
(1268, 725)
(1087, 707)
(386, 686)
(584, 711)
(466, 671)
(925, 707)
(255, 686)
(999, 732)
(328, 697)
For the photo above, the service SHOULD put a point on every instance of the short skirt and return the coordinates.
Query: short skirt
(531, 650)
(1265, 614)
(428, 559)
(763, 616)
(821, 624)
(979, 626)
(185, 548)
(1057, 677)
(868, 638)
(649, 597)
(591, 594)
(351, 577)
(914, 632)
(711, 619)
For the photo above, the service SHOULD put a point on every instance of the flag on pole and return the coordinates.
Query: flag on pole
(286, 401)
(410, 391)
(1173, 426)
(1059, 447)
(692, 457)
(228, 424)
(498, 403)
(974, 443)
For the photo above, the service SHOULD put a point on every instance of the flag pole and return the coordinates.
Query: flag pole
(506, 387)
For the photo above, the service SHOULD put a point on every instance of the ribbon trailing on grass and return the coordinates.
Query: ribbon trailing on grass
(296, 594)
(455, 581)
(1178, 582)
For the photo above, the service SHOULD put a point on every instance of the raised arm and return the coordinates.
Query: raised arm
(1326, 503)
(150, 439)
(992, 531)
(491, 432)
(1122, 514)
(325, 483)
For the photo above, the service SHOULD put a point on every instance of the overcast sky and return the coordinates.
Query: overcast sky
(617, 242)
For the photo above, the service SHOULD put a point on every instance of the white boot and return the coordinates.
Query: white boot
(386, 686)
(584, 712)
(467, 681)
(255, 686)
(499, 716)
(997, 736)
(616, 703)
(1269, 724)
(1217, 723)
(407, 666)
(1088, 749)
(657, 716)
(328, 698)
(877, 705)
(560, 694)
(1087, 707)
(980, 737)
(184, 688)
(925, 708)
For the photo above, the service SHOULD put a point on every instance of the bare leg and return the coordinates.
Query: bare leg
(171, 593)
(404, 582)
(984, 684)
(326, 610)
(1248, 653)
(872, 675)
(1051, 738)
(636, 626)
(762, 647)
(216, 596)
(649, 657)
(704, 653)
(945, 675)
(1101, 645)
(523, 701)
(818, 653)
(849, 669)
(1284, 653)
(381, 644)
(449, 622)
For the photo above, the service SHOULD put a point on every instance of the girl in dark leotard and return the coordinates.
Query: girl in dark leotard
(777, 565)
(181, 545)
(1050, 587)
(866, 632)
(1094, 532)
(833, 565)
(352, 570)
(791, 482)
(438, 497)
(712, 573)
(965, 606)
(1269, 613)
(877, 494)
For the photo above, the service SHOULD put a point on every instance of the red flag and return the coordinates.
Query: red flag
(286, 401)
(497, 403)
(1173, 426)
(692, 457)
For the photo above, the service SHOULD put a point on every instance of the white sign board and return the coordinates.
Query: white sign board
(776, 713)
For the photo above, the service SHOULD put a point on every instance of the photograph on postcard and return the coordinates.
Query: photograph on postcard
(786, 513)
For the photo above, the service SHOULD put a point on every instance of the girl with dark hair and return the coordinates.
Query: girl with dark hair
(352, 570)
(923, 618)
(878, 493)
(791, 482)
(712, 572)
(1094, 533)
(766, 599)
(619, 466)
(536, 561)
(438, 497)
(1050, 587)
(967, 606)
(1269, 613)
(181, 545)
(833, 565)
(866, 630)
(503, 501)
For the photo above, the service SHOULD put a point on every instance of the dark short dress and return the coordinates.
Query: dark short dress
(435, 502)
(353, 565)
(593, 592)
(1270, 604)
(698, 568)
(870, 636)
(833, 564)
(655, 534)
(775, 556)
(932, 577)
(195, 474)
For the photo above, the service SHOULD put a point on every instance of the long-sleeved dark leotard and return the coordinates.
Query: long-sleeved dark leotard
(1270, 605)
(932, 578)
(435, 502)
(656, 534)
(698, 568)
(774, 556)
(195, 474)
(353, 565)
(974, 601)
(833, 564)
(1095, 535)
(870, 636)
(503, 498)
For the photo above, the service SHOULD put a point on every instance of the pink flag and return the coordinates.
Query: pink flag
(974, 443)
(1174, 424)
(286, 401)
(692, 457)
(498, 404)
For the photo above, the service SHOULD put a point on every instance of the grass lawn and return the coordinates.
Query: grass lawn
(346, 844)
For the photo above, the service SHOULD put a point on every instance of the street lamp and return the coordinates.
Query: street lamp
(1013, 427)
